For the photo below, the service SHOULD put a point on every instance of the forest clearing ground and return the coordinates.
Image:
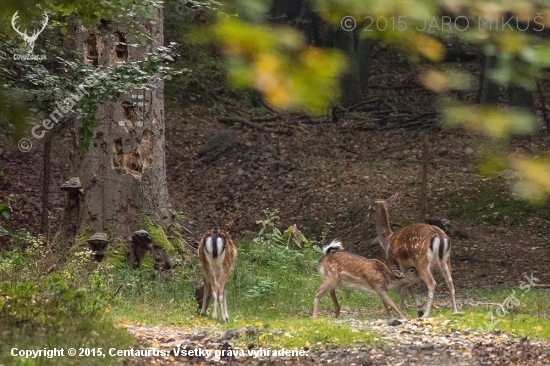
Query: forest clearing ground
(519, 337)
(435, 341)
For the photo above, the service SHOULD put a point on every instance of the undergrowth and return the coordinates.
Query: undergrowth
(56, 310)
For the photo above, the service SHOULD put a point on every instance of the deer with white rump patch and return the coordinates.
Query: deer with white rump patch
(217, 254)
(419, 246)
(343, 269)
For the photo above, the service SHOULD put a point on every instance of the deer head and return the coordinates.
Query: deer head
(29, 40)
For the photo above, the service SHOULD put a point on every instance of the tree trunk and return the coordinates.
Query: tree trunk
(123, 173)
(44, 225)
(488, 90)
(522, 98)
(365, 50)
(350, 83)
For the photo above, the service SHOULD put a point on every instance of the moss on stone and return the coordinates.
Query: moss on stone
(116, 256)
(158, 236)
(147, 266)
(177, 240)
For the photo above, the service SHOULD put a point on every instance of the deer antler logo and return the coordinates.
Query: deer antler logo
(29, 40)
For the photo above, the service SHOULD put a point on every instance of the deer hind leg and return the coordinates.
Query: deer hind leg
(323, 289)
(445, 267)
(335, 301)
(215, 295)
(206, 297)
(223, 304)
(223, 297)
(388, 302)
(427, 277)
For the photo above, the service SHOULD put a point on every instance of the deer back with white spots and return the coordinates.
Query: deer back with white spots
(419, 246)
(343, 269)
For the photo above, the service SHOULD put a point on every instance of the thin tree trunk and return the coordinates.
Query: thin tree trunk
(350, 83)
(488, 90)
(44, 226)
(365, 50)
(424, 187)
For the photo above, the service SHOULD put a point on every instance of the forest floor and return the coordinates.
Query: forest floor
(427, 342)
(316, 171)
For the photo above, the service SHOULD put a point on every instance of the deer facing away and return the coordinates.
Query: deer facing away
(343, 269)
(419, 246)
(217, 254)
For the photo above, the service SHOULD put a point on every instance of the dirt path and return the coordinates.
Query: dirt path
(414, 342)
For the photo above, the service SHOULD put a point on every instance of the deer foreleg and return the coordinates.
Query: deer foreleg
(389, 302)
(323, 289)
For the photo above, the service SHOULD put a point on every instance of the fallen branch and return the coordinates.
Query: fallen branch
(364, 102)
(268, 107)
(345, 148)
(246, 122)
(389, 105)
(116, 292)
(265, 119)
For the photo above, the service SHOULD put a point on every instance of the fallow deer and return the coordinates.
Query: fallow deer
(343, 269)
(419, 246)
(199, 292)
(217, 254)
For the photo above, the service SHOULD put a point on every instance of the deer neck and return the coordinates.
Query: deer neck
(398, 283)
(384, 231)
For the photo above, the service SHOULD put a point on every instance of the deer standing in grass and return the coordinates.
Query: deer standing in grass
(343, 269)
(217, 254)
(419, 246)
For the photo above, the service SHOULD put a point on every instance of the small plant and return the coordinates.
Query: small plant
(5, 212)
(269, 233)
(263, 287)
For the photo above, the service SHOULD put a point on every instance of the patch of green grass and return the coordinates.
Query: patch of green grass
(271, 289)
(491, 202)
(527, 315)
(292, 332)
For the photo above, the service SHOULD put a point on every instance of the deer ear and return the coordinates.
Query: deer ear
(391, 201)
(398, 273)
